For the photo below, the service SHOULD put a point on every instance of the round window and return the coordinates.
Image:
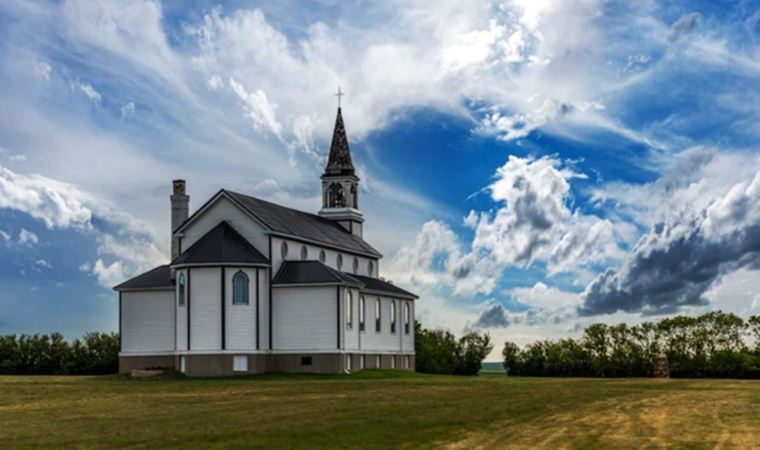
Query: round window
(340, 261)
(322, 256)
(370, 268)
(284, 249)
(304, 252)
(356, 264)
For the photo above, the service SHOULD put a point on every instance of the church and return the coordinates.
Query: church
(256, 287)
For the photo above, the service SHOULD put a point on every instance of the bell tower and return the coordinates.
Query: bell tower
(340, 185)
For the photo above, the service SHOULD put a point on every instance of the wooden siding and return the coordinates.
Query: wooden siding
(304, 318)
(147, 321)
(206, 309)
(223, 209)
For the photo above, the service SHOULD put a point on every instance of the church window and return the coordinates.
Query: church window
(336, 196)
(322, 256)
(181, 290)
(284, 249)
(370, 268)
(393, 316)
(340, 261)
(304, 252)
(240, 289)
(354, 197)
(378, 312)
(349, 309)
(406, 317)
(361, 313)
(356, 264)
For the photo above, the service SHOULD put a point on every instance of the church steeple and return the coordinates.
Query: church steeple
(340, 185)
(339, 161)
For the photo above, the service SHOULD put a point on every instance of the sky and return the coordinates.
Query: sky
(527, 167)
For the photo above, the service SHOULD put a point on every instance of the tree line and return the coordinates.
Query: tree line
(715, 344)
(43, 354)
(438, 351)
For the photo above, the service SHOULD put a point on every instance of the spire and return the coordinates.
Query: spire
(339, 162)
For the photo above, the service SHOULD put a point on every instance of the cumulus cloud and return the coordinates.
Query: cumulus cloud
(678, 260)
(533, 221)
(125, 244)
(494, 316)
(57, 204)
(43, 263)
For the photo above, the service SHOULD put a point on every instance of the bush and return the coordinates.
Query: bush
(711, 345)
(438, 351)
(39, 354)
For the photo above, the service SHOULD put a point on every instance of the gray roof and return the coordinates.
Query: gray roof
(339, 162)
(311, 272)
(222, 244)
(158, 278)
(281, 219)
(381, 286)
(316, 272)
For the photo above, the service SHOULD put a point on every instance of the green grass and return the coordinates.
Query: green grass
(377, 410)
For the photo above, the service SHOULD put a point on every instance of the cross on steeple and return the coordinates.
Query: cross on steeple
(339, 95)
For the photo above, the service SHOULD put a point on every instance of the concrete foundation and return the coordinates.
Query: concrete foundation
(221, 365)
(128, 363)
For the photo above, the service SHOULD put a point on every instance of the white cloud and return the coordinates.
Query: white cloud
(42, 70)
(127, 110)
(56, 204)
(17, 158)
(43, 263)
(258, 108)
(215, 82)
(26, 237)
(90, 92)
(5, 236)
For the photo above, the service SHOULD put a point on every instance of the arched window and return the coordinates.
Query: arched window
(339, 261)
(378, 313)
(356, 264)
(370, 268)
(354, 197)
(284, 249)
(181, 290)
(349, 309)
(362, 308)
(406, 317)
(240, 289)
(393, 316)
(337, 198)
(322, 256)
(304, 252)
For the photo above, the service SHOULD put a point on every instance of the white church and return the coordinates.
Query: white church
(257, 287)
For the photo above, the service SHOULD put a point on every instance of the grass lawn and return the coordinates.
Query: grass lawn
(377, 410)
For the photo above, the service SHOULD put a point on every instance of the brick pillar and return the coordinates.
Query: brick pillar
(661, 368)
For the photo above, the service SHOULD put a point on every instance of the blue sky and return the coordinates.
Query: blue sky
(528, 167)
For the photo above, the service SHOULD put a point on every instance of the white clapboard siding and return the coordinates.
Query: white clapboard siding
(304, 318)
(313, 251)
(147, 321)
(385, 340)
(241, 319)
(205, 309)
(224, 210)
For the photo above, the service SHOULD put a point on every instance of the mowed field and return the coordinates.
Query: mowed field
(377, 410)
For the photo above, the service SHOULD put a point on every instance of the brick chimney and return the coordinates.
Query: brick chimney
(180, 211)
